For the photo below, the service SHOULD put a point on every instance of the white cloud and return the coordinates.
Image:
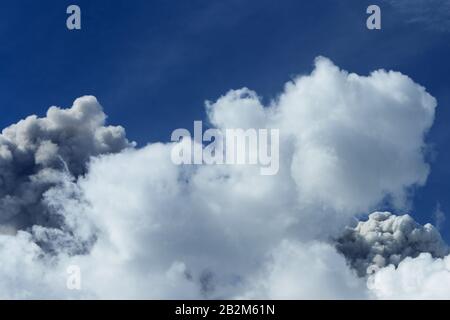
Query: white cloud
(357, 139)
(311, 270)
(141, 227)
(420, 278)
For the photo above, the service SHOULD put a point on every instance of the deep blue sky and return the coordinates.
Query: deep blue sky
(152, 64)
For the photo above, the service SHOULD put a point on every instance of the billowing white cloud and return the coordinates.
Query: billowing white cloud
(348, 141)
(311, 270)
(139, 226)
(357, 139)
(422, 277)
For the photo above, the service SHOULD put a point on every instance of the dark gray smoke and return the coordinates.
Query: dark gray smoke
(37, 154)
(386, 239)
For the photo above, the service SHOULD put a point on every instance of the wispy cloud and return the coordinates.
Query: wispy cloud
(433, 14)
(439, 216)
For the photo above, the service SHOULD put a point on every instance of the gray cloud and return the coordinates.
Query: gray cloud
(36, 154)
(386, 239)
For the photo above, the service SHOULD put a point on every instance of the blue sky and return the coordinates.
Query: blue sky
(152, 64)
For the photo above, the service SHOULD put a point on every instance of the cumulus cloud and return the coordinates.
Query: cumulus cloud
(77, 192)
(357, 139)
(311, 270)
(386, 239)
(347, 141)
(422, 277)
